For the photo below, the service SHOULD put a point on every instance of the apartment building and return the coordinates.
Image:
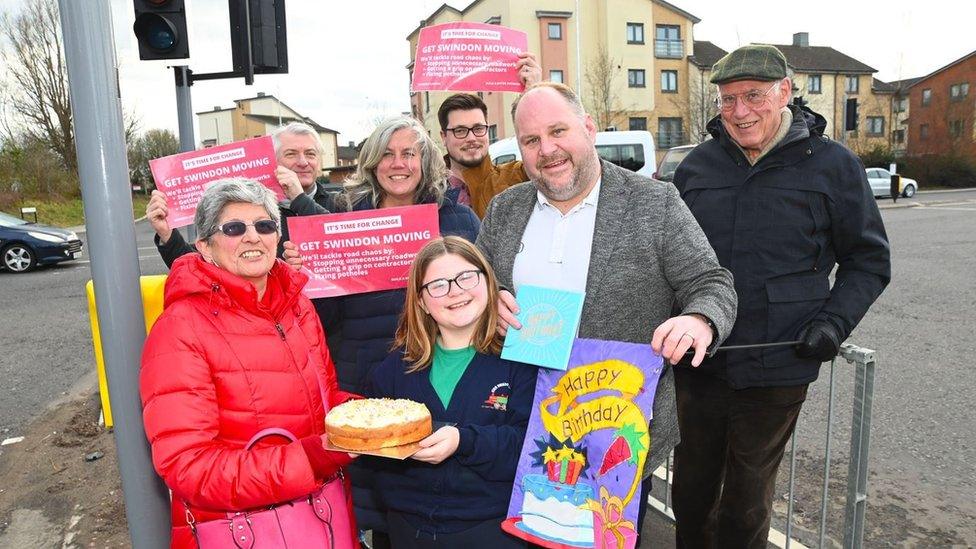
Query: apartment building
(628, 60)
(257, 116)
(942, 110)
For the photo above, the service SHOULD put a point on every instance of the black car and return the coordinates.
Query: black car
(25, 245)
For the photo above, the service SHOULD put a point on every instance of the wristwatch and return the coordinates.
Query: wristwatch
(708, 322)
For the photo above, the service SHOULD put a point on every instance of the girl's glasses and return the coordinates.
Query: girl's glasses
(465, 280)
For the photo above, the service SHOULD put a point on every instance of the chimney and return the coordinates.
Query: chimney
(216, 108)
(352, 144)
(261, 94)
(801, 39)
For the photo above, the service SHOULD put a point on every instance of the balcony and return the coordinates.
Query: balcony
(666, 140)
(669, 49)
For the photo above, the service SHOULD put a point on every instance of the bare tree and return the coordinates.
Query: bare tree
(697, 107)
(600, 76)
(36, 93)
(153, 144)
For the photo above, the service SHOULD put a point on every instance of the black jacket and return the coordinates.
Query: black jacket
(781, 226)
(475, 483)
(177, 245)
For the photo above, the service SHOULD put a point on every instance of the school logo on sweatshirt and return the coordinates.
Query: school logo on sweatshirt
(498, 398)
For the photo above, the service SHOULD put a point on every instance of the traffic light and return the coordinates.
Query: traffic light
(259, 24)
(160, 28)
(850, 115)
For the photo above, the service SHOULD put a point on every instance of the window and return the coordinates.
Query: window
(207, 143)
(955, 128)
(630, 157)
(898, 136)
(813, 83)
(901, 104)
(556, 76)
(492, 133)
(426, 101)
(851, 84)
(957, 92)
(667, 42)
(669, 133)
(926, 96)
(555, 31)
(669, 81)
(637, 123)
(635, 78)
(923, 131)
(635, 33)
(875, 125)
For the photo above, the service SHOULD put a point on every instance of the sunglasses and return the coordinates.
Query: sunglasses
(238, 228)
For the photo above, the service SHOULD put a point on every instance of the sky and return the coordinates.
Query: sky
(348, 58)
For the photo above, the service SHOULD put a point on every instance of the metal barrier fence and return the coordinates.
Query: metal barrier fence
(857, 471)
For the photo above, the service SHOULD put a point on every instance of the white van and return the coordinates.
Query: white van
(633, 150)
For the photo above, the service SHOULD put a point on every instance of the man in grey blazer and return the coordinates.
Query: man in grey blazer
(629, 242)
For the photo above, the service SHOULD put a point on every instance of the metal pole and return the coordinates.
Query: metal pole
(103, 170)
(789, 501)
(857, 472)
(184, 113)
(826, 475)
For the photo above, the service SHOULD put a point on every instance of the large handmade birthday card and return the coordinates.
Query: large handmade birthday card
(579, 473)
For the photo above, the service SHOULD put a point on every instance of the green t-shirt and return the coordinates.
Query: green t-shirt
(447, 369)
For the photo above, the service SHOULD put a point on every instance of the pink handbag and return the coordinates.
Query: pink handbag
(320, 519)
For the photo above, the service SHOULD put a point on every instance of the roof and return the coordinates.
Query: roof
(899, 85)
(706, 54)
(347, 152)
(812, 59)
(216, 110)
(882, 87)
(278, 120)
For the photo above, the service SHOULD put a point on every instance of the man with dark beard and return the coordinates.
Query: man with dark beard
(463, 118)
(628, 242)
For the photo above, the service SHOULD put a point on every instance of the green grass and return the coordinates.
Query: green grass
(68, 212)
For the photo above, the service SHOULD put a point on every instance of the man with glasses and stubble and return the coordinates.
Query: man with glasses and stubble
(782, 204)
(463, 118)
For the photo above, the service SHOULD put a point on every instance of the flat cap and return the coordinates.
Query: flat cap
(753, 62)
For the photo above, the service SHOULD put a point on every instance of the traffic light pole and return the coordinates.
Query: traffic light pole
(184, 114)
(103, 170)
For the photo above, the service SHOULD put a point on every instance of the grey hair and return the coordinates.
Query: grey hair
(563, 90)
(223, 192)
(297, 128)
(364, 184)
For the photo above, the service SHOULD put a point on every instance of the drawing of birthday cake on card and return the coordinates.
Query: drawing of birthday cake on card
(555, 505)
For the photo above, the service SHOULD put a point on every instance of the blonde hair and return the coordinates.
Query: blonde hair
(417, 331)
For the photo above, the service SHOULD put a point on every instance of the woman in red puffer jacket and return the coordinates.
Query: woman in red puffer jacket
(238, 349)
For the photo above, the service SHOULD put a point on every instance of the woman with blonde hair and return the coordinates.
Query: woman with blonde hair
(454, 492)
(399, 165)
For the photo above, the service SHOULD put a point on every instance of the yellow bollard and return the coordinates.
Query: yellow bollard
(152, 307)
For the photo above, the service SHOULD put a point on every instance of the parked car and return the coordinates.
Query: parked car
(673, 157)
(633, 150)
(880, 180)
(25, 245)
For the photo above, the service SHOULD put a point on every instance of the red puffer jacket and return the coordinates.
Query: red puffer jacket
(217, 368)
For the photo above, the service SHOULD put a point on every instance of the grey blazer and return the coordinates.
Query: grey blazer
(650, 260)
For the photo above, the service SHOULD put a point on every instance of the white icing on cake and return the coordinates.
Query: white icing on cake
(372, 413)
(552, 511)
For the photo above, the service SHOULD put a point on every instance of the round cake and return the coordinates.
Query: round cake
(373, 423)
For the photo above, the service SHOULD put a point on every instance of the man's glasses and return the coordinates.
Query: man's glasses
(440, 287)
(460, 132)
(237, 228)
(751, 98)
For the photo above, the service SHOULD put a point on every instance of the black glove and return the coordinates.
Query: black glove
(818, 339)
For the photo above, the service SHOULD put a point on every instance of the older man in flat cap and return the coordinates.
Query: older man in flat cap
(782, 205)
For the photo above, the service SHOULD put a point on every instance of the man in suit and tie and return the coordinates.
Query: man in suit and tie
(628, 242)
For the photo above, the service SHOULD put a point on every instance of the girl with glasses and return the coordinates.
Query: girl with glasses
(454, 492)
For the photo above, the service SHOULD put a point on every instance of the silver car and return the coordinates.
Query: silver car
(880, 180)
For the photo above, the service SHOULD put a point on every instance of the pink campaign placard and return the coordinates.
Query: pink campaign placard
(184, 177)
(357, 252)
(468, 57)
